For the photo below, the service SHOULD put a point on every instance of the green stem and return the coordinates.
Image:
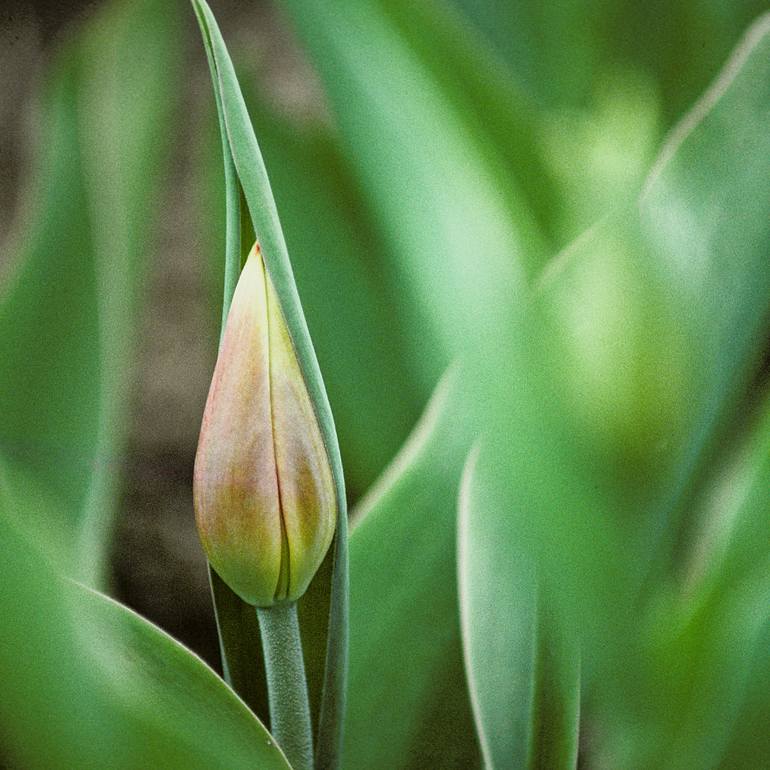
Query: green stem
(286, 683)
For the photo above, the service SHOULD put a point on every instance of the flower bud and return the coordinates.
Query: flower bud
(263, 490)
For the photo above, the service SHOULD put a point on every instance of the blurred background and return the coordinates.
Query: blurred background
(157, 564)
(110, 161)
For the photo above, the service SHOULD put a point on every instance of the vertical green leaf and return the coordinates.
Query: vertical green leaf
(439, 203)
(408, 704)
(523, 673)
(254, 182)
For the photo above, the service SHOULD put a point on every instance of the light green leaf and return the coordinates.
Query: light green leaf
(611, 400)
(704, 212)
(439, 200)
(408, 705)
(337, 252)
(523, 673)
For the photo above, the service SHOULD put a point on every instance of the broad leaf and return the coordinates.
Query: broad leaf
(88, 683)
(408, 705)
(523, 672)
(439, 203)
(610, 399)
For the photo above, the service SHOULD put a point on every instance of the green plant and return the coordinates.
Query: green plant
(567, 559)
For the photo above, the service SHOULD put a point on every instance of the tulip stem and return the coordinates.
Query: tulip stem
(286, 683)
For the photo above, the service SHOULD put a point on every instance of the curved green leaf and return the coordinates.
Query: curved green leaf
(614, 399)
(88, 683)
(439, 203)
(704, 213)
(523, 674)
(408, 705)
(254, 182)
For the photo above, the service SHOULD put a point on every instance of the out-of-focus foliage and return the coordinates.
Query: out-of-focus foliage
(477, 192)
(558, 50)
(68, 310)
(88, 682)
(406, 689)
(528, 717)
(631, 368)
(418, 187)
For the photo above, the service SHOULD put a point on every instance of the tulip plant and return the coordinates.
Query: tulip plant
(564, 562)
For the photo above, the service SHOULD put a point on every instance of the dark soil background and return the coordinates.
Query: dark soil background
(158, 567)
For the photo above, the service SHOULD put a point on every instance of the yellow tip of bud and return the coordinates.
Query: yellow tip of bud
(263, 490)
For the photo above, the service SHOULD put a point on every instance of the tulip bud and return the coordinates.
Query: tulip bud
(263, 491)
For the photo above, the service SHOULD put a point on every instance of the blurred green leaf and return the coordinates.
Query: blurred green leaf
(439, 204)
(486, 97)
(600, 153)
(558, 50)
(408, 705)
(611, 397)
(704, 213)
(523, 673)
(714, 626)
(749, 740)
(86, 682)
(68, 311)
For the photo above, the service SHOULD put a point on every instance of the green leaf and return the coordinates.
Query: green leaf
(237, 629)
(704, 213)
(485, 96)
(254, 182)
(243, 667)
(408, 705)
(438, 203)
(523, 673)
(68, 311)
(85, 679)
(559, 50)
(715, 628)
(749, 741)
(608, 405)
